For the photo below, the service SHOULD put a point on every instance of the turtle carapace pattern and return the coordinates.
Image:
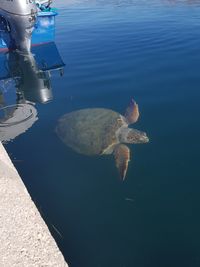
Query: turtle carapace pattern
(100, 131)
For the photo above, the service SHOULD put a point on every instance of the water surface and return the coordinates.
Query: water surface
(115, 51)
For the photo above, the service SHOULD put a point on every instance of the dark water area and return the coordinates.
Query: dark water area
(115, 51)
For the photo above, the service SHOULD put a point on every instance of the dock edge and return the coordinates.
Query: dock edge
(24, 236)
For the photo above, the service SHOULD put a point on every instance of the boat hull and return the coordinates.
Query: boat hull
(43, 31)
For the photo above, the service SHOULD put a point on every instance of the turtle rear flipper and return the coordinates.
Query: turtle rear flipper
(132, 112)
(122, 157)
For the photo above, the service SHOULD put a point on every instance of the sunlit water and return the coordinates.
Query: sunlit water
(115, 51)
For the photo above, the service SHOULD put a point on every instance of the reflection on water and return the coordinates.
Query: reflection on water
(126, 3)
(149, 50)
(32, 84)
(15, 120)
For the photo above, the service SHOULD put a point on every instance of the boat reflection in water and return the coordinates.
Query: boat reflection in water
(31, 75)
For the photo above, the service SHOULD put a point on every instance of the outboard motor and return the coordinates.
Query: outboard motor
(20, 16)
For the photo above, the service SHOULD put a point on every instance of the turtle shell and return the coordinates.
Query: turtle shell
(89, 131)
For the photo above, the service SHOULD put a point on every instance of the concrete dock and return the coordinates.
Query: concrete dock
(25, 240)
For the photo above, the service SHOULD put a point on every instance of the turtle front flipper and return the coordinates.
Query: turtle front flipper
(132, 112)
(122, 157)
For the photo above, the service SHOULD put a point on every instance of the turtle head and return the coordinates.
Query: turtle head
(133, 136)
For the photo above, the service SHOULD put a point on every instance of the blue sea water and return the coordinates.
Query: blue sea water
(148, 50)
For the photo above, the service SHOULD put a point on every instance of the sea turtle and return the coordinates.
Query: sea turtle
(99, 131)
